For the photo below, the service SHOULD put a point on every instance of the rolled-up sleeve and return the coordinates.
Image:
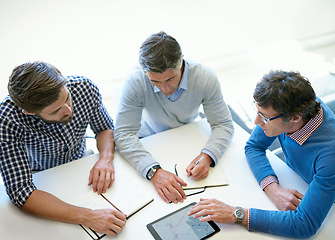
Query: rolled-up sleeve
(15, 168)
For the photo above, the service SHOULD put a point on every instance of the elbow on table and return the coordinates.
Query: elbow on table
(249, 148)
(305, 228)
(284, 223)
(306, 233)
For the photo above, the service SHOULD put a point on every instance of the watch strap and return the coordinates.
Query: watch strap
(151, 172)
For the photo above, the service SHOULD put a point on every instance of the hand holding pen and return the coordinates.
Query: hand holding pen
(199, 167)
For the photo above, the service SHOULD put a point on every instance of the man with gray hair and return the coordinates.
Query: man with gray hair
(166, 92)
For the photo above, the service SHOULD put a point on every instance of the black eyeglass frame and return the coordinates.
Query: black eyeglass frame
(264, 119)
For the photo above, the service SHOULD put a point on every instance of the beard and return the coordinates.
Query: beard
(65, 120)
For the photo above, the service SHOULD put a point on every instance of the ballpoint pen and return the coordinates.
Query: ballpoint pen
(201, 191)
(196, 164)
(175, 167)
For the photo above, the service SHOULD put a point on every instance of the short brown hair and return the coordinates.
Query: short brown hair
(34, 86)
(288, 93)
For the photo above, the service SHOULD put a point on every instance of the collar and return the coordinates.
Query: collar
(300, 136)
(183, 81)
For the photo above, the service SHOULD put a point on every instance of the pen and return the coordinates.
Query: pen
(115, 208)
(196, 163)
(111, 203)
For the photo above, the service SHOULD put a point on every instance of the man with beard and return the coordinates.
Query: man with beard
(43, 124)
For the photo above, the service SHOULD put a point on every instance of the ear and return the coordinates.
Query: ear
(297, 118)
(28, 113)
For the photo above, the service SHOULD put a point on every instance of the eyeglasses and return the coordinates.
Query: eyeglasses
(264, 119)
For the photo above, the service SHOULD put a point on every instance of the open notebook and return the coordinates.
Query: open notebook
(215, 178)
(124, 196)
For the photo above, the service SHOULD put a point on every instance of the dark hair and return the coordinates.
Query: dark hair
(160, 52)
(288, 93)
(34, 86)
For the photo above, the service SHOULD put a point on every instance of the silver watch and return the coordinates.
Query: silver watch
(152, 171)
(239, 214)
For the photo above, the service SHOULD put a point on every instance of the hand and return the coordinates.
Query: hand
(284, 199)
(212, 209)
(199, 167)
(107, 221)
(102, 175)
(168, 186)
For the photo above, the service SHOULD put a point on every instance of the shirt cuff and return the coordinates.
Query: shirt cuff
(209, 153)
(248, 224)
(268, 180)
(145, 171)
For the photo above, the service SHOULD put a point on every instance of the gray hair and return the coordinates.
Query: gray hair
(160, 52)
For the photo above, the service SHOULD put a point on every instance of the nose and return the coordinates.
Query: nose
(258, 120)
(165, 88)
(68, 109)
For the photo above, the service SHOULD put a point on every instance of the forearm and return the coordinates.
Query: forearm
(105, 144)
(48, 206)
(255, 152)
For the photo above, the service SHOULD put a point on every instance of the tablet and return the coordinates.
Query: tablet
(177, 225)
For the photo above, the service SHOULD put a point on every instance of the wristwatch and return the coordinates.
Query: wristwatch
(239, 214)
(152, 171)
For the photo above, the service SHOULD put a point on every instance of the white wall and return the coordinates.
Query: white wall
(100, 38)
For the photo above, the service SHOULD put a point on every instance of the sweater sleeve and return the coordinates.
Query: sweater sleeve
(255, 151)
(310, 213)
(218, 116)
(128, 123)
(314, 206)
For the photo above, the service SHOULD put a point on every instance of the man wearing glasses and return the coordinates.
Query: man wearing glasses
(287, 109)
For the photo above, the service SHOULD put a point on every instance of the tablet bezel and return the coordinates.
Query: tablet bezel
(155, 234)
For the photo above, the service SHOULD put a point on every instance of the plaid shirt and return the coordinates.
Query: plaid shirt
(27, 143)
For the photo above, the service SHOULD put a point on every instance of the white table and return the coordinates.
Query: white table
(69, 183)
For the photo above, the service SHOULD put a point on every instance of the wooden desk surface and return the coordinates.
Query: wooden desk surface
(69, 183)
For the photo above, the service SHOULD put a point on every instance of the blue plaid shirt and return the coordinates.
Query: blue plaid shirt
(27, 143)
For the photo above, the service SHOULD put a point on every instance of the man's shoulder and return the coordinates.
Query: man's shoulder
(10, 115)
(137, 79)
(193, 64)
(197, 69)
(80, 84)
(136, 73)
(78, 80)
(7, 108)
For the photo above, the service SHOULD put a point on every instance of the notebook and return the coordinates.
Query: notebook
(215, 178)
(125, 196)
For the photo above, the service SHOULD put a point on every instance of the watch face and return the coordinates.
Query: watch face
(151, 173)
(240, 214)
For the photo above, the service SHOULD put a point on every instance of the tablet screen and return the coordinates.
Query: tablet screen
(178, 225)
